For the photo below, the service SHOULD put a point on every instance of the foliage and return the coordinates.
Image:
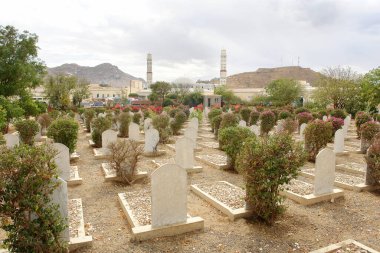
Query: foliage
(177, 123)
(2, 140)
(227, 95)
(337, 123)
(268, 121)
(54, 114)
(245, 114)
(80, 91)
(360, 119)
(289, 126)
(167, 102)
(197, 114)
(99, 110)
(12, 109)
(27, 180)
(28, 129)
(124, 120)
(231, 139)
(173, 112)
(125, 155)
(229, 120)
(58, 88)
(44, 120)
(317, 134)
(267, 164)
(3, 118)
(215, 122)
(373, 159)
(338, 113)
(304, 117)
(160, 90)
(301, 109)
(161, 123)
(254, 117)
(283, 91)
(29, 106)
(285, 115)
(193, 99)
(88, 116)
(65, 131)
(136, 118)
(370, 90)
(369, 130)
(133, 95)
(20, 68)
(99, 125)
(212, 114)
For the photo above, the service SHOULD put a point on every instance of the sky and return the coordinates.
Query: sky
(185, 36)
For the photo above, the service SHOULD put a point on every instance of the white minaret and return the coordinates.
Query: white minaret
(149, 74)
(223, 67)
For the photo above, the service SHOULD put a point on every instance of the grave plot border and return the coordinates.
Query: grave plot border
(341, 244)
(310, 199)
(205, 146)
(141, 233)
(158, 153)
(138, 176)
(99, 154)
(204, 136)
(91, 143)
(169, 146)
(232, 214)
(77, 180)
(215, 165)
(195, 169)
(74, 156)
(346, 168)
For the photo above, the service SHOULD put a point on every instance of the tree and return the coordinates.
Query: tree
(227, 95)
(13, 111)
(193, 99)
(57, 89)
(161, 89)
(370, 90)
(283, 91)
(181, 91)
(80, 92)
(20, 68)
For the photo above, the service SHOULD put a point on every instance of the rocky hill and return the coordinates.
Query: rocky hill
(263, 76)
(104, 73)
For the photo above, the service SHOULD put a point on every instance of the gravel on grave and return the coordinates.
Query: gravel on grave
(350, 248)
(231, 196)
(72, 173)
(343, 178)
(210, 144)
(356, 166)
(299, 187)
(214, 158)
(75, 215)
(140, 204)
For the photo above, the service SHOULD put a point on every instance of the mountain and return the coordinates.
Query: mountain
(263, 76)
(104, 73)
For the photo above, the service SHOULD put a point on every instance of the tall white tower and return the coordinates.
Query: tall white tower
(223, 67)
(149, 73)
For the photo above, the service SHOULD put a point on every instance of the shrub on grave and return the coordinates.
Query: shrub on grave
(317, 134)
(81, 111)
(322, 113)
(338, 113)
(267, 164)
(304, 117)
(99, 125)
(228, 120)
(71, 114)
(161, 124)
(54, 114)
(245, 114)
(2, 140)
(360, 119)
(99, 110)
(125, 155)
(216, 124)
(267, 121)
(89, 116)
(64, 131)
(137, 118)
(173, 112)
(197, 114)
(44, 120)
(124, 119)
(254, 117)
(373, 161)
(177, 123)
(289, 126)
(28, 129)
(31, 221)
(213, 113)
(337, 124)
(301, 109)
(369, 130)
(231, 139)
(284, 115)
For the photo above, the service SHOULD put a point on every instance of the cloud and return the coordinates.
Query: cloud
(185, 37)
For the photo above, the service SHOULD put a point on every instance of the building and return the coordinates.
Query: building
(210, 100)
(38, 94)
(99, 92)
(135, 86)
(223, 67)
(248, 93)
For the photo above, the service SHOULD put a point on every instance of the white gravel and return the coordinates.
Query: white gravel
(214, 158)
(299, 187)
(343, 178)
(351, 248)
(74, 212)
(140, 205)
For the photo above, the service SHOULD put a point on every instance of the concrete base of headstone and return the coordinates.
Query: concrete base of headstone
(214, 160)
(74, 177)
(91, 143)
(344, 153)
(154, 154)
(88, 134)
(142, 141)
(74, 156)
(341, 245)
(110, 174)
(195, 169)
(141, 233)
(101, 153)
(172, 147)
(232, 214)
(311, 199)
(81, 240)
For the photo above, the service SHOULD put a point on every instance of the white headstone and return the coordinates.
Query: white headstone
(280, 125)
(147, 124)
(191, 109)
(242, 123)
(302, 129)
(346, 125)
(169, 195)
(324, 118)
(324, 172)
(101, 115)
(134, 132)
(255, 129)
(12, 140)
(184, 153)
(194, 123)
(339, 141)
(192, 134)
(62, 159)
(152, 137)
(59, 197)
(108, 137)
(229, 110)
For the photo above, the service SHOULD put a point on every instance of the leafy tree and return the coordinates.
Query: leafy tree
(3, 118)
(161, 89)
(13, 111)
(20, 68)
(370, 89)
(193, 98)
(181, 91)
(283, 91)
(30, 107)
(80, 92)
(57, 89)
(133, 95)
(227, 95)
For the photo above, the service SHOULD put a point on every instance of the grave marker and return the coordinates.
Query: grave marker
(108, 137)
(184, 155)
(134, 131)
(324, 172)
(62, 159)
(152, 137)
(12, 140)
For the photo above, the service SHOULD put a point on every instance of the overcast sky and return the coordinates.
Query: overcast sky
(185, 37)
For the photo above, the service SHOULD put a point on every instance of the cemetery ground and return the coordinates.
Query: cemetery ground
(299, 229)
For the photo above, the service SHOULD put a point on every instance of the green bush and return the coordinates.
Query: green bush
(161, 123)
(173, 112)
(54, 114)
(304, 117)
(197, 114)
(99, 125)
(285, 115)
(167, 102)
(136, 118)
(81, 111)
(268, 121)
(369, 130)
(212, 114)
(360, 119)
(267, 164)
(254, 117)
(27, 179)
(228, 120)
(373, 162)
(215, 122)
(301, 109)
(245, 114)
(2, 140)
(64, 131)
(177, 123)
(3, 119)
(317, 134)
(28, 129)
(124, 120)
(231, 139)
(99, 110)
(89, 116)
(338, 113)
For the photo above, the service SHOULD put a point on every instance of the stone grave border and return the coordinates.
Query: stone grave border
(195, 169)
(76, 180)
(141, 233)
(138, 176)
(310, 199)
(232, 214)
(205, 146)
(99, 153)
(159, 152)
(170, 146)
(82, 240)
(74, 156)
(346, 168)
(220, 166)
(341, 244)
